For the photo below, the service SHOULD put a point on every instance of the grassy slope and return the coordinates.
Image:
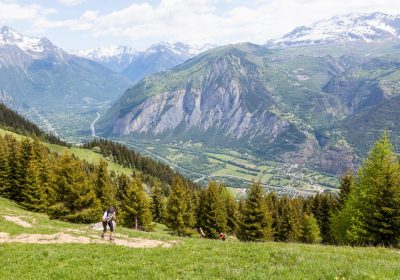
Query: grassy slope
(85, 154)
(192, 258)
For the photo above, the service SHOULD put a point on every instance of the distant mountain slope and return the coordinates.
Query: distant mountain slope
(36, 72)
(136, 64)
(370, 27)
(10, 119)
(286, 105)
(119, 157)
(115, 58)
(237, 96)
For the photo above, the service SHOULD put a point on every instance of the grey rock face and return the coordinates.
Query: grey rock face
(217, 100)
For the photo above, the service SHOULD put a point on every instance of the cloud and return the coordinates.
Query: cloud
(71, 2)
(211, 21)
(12, 11)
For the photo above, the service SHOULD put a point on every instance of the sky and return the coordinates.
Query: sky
(82, 24)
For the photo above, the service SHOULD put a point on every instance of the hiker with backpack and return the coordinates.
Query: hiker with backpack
(108, 217)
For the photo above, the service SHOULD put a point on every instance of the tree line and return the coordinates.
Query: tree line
(10, 119)
(366, 211)
(128, 158)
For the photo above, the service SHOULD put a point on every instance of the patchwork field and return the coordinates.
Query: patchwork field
(234, 168)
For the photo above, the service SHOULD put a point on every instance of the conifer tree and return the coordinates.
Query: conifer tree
(25, 154)
(255, 222)
(232, 210)
(371, 213)
(105, 190)
(4, 180)
(76, 199)
(33, 192)
(311, 232)
(13, 190)
(213, 214)
(323, 205)
(288, 224)
(123, 182)
(136, 207)
(179, 215)
(158, 204)
(346, 186)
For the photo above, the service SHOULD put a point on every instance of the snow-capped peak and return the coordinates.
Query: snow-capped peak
(178, 48)
(370, 27)
(35, 47)
(106, 53)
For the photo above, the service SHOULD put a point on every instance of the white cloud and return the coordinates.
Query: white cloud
(209, 21)
(12, 11)
(71, 2)
(200, 21)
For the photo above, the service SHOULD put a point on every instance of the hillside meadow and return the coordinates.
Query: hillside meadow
(183, 258)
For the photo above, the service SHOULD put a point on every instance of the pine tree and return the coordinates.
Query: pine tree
(288, 223)
(136, 207)
(105, 190)
(323, 205)
(311, 232)
(346, 186)
(25, 158)
(157, 204)
(13, 190)
(255, 219)
(123, 182)
(4, 170)
(36, 191)
(33, 193)
(179, 216)
(213, 214)
(232, 212)
(76, 199)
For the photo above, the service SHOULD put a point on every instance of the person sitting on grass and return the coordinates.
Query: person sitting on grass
(222, 236)
(108, 216)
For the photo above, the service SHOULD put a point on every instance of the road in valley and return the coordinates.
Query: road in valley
(93, 123)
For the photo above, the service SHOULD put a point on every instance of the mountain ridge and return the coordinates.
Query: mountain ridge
(136, 64)
(36, 72)
(362, 27)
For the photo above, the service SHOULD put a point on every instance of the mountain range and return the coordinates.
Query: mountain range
(372, 27)
(318, 96)
(34, 71)
(136, 64)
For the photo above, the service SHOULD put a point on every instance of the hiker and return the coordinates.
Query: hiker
(108, 218)
(202, 234)
(222, 236)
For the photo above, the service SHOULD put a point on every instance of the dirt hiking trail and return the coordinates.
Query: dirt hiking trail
(67, 235)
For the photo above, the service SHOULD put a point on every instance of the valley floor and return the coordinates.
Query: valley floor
(171, 257)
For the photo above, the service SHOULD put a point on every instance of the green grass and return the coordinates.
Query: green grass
(191, 258)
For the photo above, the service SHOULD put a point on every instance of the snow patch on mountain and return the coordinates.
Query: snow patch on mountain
(37, 48)
(106, 53)
(119, 58)
(371, 27)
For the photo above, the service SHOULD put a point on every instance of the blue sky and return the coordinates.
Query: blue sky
(81, 24)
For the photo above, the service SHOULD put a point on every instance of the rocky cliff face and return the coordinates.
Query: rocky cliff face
(281, 105)
(221, 101)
